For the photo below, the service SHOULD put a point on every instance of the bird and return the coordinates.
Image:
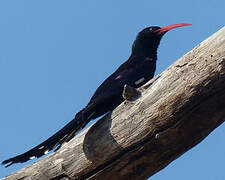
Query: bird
(135, 72)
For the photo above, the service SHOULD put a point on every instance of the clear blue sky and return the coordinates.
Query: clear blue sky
(54, 54)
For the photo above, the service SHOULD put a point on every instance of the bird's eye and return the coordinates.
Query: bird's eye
(150, 29)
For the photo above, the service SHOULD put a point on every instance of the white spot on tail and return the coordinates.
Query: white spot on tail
(64, 136)
(41, 147)
(46, 151)
(139, 81)
(32, 157)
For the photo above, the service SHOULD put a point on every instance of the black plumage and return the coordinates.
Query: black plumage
(135, 72)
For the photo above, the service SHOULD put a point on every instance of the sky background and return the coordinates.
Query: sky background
(54, 54)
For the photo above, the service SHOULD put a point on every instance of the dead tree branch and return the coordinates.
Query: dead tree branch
(176, 111)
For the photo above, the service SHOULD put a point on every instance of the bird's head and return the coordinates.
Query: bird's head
(147, 41)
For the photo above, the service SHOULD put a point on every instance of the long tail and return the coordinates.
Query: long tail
(54, 142)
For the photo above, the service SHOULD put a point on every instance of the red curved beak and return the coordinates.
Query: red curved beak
(167, 28)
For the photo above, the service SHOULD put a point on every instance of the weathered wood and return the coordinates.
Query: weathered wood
(177, 110)
(130, 93)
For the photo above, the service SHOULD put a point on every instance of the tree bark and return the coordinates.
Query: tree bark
(176, 111)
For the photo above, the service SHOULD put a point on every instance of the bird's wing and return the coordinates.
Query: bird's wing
(114, 83)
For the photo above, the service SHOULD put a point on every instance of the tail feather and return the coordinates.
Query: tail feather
(55, 141)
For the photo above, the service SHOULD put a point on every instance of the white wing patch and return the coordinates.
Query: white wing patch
(148, 59)
(139, 81)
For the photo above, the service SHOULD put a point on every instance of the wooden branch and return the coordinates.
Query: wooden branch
(176, 111)
(130, 93)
